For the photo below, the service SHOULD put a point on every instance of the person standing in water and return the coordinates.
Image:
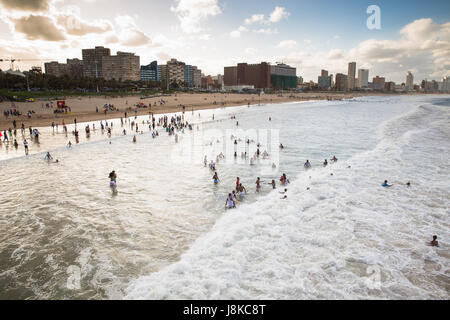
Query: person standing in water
(112, 178)
(25, 144)
(216, 178)
(307, 165)
(237, 183)
(273, 184)
(229, 203)
(258, 185)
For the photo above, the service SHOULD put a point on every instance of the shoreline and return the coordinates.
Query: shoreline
(84, 110)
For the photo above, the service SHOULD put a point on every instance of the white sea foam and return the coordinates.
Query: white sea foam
(345, 238)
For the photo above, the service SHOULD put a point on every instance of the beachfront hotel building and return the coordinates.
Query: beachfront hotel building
(92, 61)
(351, 75)
(123, 66)
(283, 76)
(363, 78)
(257, 75)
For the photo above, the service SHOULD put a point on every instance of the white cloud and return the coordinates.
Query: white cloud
(237, 33)
(287, 44)
(254, 18)
(192, 12)
(267, 31)
(278, 14)
(423, 46)
(307, 41)
(251, 51)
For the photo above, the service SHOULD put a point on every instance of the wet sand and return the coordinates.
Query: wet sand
(84, 108)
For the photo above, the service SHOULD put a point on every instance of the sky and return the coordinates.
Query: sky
(309, 35)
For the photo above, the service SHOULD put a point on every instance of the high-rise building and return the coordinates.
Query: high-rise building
(445, 84)
(324, 82)
(149, 72)
(93, 60)
(123, 66)
(196, 77)
(363, 78)
(341, 82)
(409, 81)
(188, 75)
(172, 72)
(351, 75)
(257, 75)
(283, 76)
(56, 69)
(378, 83)
(75, 67)
(324, 73)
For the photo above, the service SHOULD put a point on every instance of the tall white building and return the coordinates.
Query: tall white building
(363, 78)
(409, 81)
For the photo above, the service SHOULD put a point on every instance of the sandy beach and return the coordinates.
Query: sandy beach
(84, 108)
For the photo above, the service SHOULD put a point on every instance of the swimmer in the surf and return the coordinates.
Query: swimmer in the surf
(216, 178)
(281, 146)
(258, 185)
(48, 156)
(334, 159)
(307, 165)
(229, 203)
(273, 184)
(284, 192)
(242, 191)
(408, 184)
(386, 185)
(325, 163)
(134, 139)
(434, 242)
(112, 178)
(234, 197)
(284, 180)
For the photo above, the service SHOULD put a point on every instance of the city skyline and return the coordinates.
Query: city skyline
(213, 34)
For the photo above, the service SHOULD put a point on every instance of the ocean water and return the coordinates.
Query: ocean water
(165, 234)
